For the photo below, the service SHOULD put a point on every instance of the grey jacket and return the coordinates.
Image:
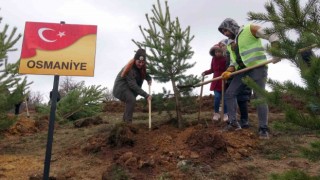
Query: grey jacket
(131, 81)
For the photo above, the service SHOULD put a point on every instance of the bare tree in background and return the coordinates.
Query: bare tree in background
(35, 98)
(109, 96)
(67, 84)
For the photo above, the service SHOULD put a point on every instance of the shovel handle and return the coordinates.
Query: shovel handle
(200, 99)
(235, 73)
(149, 102)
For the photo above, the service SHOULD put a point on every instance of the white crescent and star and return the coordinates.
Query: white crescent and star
(40, 33)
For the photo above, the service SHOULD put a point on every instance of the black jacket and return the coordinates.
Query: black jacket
(132, 81)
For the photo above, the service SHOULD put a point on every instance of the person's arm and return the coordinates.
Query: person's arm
(259, 32)
(209, 71)
(130, 78)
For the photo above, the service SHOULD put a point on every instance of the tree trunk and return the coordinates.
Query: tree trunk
(178, 106)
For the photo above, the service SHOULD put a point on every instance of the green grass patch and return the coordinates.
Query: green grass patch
(117, 172)
(312, 153)
(284, 126)
(279, 148)
(293, 175)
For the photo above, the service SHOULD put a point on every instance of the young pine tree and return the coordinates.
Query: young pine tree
(12, 86)
(170, 51)
(298, 26)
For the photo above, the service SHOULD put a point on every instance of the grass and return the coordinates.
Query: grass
(164, 176)
(280, 147)
(6, 123)
(284, 126)
(312, 153)
(117, 172)
(293, 175)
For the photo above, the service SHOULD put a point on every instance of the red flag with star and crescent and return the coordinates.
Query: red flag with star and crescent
(58, 49)
(52, 36)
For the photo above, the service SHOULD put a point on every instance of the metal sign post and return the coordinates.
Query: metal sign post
(51, 127)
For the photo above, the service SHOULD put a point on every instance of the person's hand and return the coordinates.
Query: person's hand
(149, 98)
(276, 60)
(226, 75)
(203, 74)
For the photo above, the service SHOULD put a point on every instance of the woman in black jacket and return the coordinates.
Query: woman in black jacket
(128, 83)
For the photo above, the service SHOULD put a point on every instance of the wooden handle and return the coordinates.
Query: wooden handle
(200, 100)
(222, 100)
(149, 102)
(235, 73)
(307, 48)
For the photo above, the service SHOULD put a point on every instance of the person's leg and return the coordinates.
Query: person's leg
(130, 101)
(216, 104)
(225, 106)
(17, 109)
(217, 99)
(231, 94)
(259, 75)
(243, 108)
(225, 110)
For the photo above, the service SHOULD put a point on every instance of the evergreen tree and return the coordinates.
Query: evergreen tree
(298, 27)
(12, 86)
(170, 51)
(83, 101)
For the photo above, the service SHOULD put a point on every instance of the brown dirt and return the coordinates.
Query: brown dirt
(165, 152)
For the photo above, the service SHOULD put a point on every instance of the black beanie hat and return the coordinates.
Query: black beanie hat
(140, 55)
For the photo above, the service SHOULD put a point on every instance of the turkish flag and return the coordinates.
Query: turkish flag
(52, 36)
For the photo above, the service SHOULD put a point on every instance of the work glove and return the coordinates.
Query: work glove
(226, 75)
(276, 60)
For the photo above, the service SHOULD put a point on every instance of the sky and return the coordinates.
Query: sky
(118, 23)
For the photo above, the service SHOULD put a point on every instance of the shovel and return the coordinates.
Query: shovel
(232, 74)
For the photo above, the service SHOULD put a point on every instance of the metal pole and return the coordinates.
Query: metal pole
(51, 127)
(54, 98)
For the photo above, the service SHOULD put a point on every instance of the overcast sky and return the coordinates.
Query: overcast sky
(118, 23)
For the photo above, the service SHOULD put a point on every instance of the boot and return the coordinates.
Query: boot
(225, 117)
(232, 126)
(216, 117)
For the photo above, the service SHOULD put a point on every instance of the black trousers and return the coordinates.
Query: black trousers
(17, 108)
(130, 102)
(243, 108)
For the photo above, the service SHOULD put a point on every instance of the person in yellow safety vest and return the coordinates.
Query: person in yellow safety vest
(246, 50)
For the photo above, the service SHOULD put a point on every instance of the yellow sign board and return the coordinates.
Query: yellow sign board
(58, 49)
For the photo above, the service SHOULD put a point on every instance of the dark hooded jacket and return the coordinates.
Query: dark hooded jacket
(132, 81)
(230, 25)
(234, 28)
